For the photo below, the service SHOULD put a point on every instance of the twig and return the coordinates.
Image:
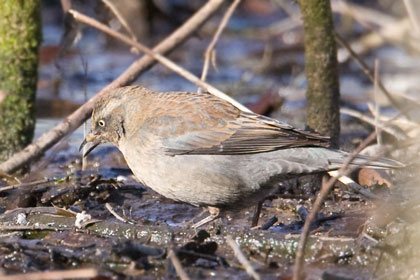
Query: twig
(413, 15)
(269, 223)
(85, 273)
(356, 114)
(359, 189)
(123, 22)
(115, 214)
(325, 189)
(377, 106)
(390, 29)
(36, 227)
(165, 61)
(368, 72)
(22, 185)
(241, 258)
(177, 265)
(209, 51)
(256, 215)
(8, 178)
(73, 121)
(120, 18)
(65, 5)
(350, 183)
(362, 13)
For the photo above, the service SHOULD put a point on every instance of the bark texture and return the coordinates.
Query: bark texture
(321, 69)
(20, 38)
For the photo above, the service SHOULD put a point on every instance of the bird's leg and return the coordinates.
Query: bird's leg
(257, 212)
(214, 214)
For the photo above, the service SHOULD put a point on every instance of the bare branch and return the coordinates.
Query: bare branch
(165, 61)
(209, 51)
(73, 121)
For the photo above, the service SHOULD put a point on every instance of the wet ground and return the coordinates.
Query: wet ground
(130, 230)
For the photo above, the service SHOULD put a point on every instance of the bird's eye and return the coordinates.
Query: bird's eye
(101, 123)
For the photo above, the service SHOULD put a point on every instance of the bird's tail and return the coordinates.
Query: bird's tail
(367, 161)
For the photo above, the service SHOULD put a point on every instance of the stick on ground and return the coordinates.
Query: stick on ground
(177, 265)
(82, 273)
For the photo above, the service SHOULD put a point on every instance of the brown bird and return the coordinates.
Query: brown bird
(200, 149)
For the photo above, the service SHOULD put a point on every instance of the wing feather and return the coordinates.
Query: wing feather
(210, 125)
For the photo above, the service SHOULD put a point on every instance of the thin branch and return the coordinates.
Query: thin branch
(123, 22)
(325, 189)
(22, 185)
(356, 114)
(177, 265)
(115, 214)
(241, 258)
(351, 184)
(209, 51)
(73, 121)
(413, 15)
(120, 18)
(377, 106)
(165, 61)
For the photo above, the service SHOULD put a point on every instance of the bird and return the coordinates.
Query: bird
(200, 149)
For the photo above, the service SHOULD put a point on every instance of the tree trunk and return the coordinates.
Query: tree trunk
(20, 38)
(321, 70)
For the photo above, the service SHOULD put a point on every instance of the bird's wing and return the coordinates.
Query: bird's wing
(206, 124)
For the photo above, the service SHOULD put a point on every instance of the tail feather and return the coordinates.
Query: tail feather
(371, 162)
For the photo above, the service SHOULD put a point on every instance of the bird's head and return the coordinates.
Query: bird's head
(108, 117)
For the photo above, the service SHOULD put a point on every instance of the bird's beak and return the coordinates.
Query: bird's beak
(90, 138)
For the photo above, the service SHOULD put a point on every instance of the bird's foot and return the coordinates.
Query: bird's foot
(214, 214)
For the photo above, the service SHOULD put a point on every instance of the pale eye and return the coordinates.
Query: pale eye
(101, 123)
